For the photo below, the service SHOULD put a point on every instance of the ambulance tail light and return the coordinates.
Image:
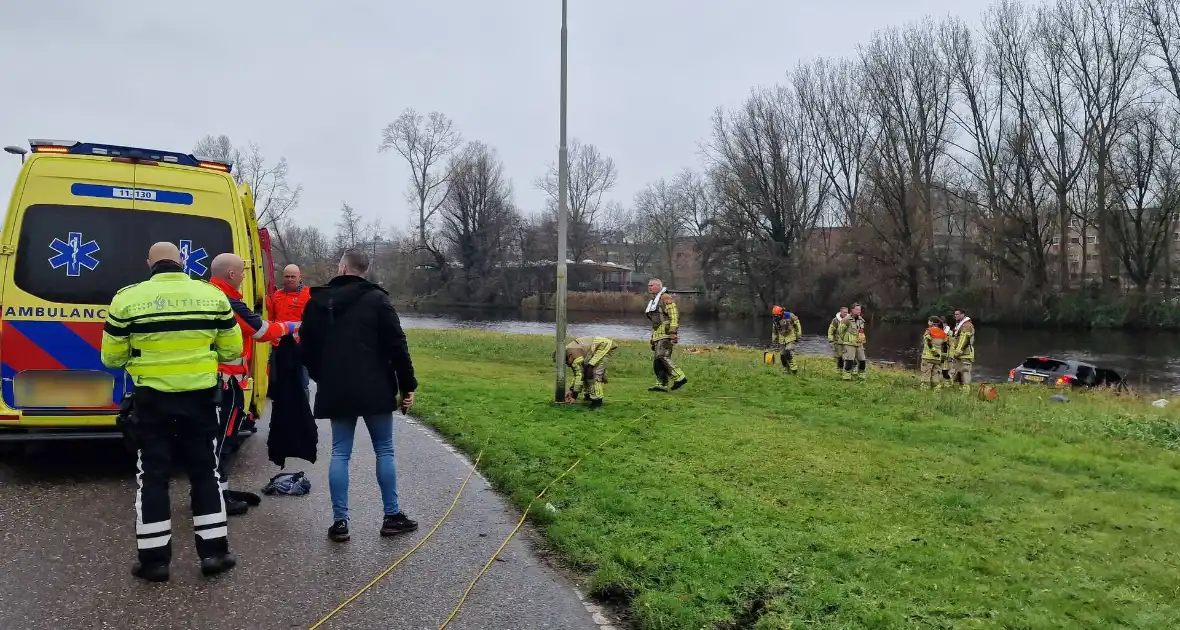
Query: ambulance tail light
(214, 166)
(52, 146)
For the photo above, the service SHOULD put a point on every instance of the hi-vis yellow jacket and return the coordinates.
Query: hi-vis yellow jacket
(170, 332)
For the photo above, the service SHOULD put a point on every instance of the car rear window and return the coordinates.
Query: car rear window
(85, 254)
(1042, 365)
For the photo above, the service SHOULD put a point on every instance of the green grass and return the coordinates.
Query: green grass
(750, 499)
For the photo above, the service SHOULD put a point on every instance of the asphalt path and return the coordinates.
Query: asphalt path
(67, 544)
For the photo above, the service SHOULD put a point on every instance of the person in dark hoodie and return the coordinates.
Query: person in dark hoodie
(354, 349)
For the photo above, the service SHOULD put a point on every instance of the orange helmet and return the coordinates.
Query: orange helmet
(777, 311)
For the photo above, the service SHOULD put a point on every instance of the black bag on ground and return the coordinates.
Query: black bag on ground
(293, 431)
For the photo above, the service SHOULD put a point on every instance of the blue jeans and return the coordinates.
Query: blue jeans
(381, 432)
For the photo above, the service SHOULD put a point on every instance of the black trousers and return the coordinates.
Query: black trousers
(231, 414)
(188, 423)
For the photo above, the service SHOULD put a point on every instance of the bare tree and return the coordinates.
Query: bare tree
(771, 188)
(592, 174)
(1146, 180)
(478, 220)
(1159, 24)
(832, 94)
(660, 207)
(909, 90)
(1104, 61)
(274, 196)
(425, 143)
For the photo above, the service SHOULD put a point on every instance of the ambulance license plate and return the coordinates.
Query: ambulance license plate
(40, 389)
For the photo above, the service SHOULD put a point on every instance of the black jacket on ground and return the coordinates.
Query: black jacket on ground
(355, 350)
(292, 428)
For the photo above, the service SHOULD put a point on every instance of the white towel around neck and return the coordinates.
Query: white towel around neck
(655, 302)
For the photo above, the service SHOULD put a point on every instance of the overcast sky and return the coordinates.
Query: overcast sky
(316, 81)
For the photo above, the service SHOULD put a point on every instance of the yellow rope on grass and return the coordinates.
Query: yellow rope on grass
(520, 523)
(407, 554)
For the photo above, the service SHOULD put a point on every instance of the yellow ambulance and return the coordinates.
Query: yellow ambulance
(78, 228)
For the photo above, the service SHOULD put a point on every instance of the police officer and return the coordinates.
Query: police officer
(169, 333)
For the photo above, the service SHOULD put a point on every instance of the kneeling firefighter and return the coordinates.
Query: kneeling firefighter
(785, 331)
(227, 272)
(587, 356)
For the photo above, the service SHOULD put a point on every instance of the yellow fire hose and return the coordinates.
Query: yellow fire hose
(407, 554)
(519, 524)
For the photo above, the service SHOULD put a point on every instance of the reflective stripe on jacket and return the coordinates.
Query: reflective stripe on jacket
(665, 320)
(170, 332)
(851, 331)
(786, 330)
(254, 329)
(585, 353)
(962, 344)
(933, 348)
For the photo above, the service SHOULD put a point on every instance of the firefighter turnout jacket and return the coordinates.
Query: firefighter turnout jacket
(170, 332)
(584, 354)
(786, 329)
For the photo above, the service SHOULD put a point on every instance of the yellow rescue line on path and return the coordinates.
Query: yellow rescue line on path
(519, 523)
(407, 554)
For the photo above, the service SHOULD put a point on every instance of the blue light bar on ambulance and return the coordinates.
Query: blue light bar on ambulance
(114, 151)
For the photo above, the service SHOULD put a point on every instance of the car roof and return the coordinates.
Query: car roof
(1069, 362)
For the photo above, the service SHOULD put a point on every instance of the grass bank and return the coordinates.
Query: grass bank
(753, 500)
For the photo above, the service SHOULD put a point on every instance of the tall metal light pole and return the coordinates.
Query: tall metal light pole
(562, 212)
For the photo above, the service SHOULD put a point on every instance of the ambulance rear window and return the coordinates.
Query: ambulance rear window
(85, 254)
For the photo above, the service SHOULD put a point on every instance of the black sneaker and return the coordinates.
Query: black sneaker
(339, 531)
(680, 383)
(397, 524)
(595, 403)
(218, 564)
(150, 572)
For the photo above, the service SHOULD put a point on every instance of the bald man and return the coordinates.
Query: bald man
(287, 304)
(227, 271)
(167, 333)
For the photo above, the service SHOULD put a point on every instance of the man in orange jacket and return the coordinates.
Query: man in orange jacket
(228, 270)
(286, 304)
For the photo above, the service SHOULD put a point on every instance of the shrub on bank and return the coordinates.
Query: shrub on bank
(1079, 310)
(756, 500)
(618, 302)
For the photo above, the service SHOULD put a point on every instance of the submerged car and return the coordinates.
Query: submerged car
(1062, 372)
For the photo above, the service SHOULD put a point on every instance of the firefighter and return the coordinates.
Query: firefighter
(665, 334)
(169, 333)
(837, 347)
(933, 352)
(286, 304)
(587, 356)
(962, 348)
(227, 272)
(851, 333)
(785, 331)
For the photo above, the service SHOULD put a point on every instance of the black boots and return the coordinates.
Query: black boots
(150, 572)
(218, 564)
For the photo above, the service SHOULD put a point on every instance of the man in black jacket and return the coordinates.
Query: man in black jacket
(356, 352)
